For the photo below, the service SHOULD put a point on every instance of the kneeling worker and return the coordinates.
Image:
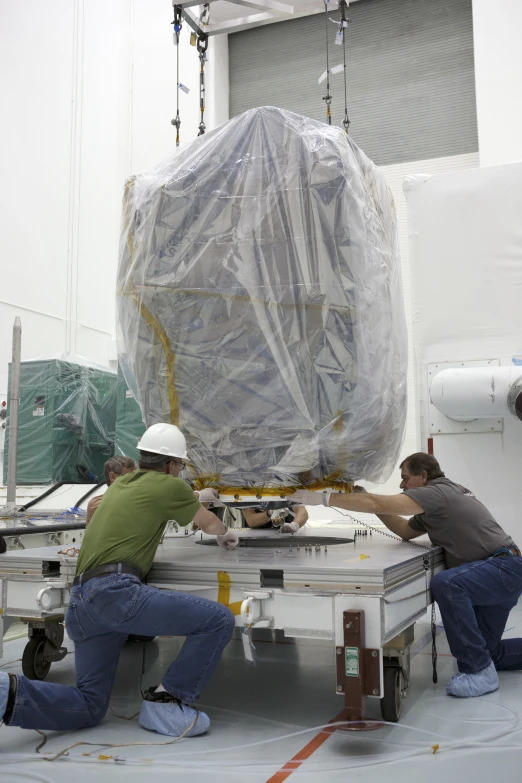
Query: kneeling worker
(109, 601)
(114, 467)
(483, 581)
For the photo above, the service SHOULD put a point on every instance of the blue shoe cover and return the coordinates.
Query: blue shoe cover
(4, 693)
(173, 719)
(467, 686)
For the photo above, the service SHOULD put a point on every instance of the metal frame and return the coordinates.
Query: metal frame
(269, 10)
(308, 595)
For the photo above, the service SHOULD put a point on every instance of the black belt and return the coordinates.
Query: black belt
(103, 570)
(507, 552)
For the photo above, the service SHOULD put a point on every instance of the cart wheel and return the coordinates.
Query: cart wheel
(34, 665)
(391, 701)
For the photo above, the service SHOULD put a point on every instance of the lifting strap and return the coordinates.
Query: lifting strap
(327, 98)
(343, 5)
(177, 29)
(202, 45)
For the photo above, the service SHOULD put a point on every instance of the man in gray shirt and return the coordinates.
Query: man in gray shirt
(483, 581)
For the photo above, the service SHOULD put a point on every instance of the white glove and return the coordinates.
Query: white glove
(210, 496)
(289, 527)
(228, 540)
(307, 498)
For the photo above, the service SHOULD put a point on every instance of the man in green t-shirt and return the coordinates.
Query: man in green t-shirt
(109, 601)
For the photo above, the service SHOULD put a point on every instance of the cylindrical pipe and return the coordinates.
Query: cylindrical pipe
(44, 495)
(21, 530)
(468, 393)
(14, 405)
(88, 494)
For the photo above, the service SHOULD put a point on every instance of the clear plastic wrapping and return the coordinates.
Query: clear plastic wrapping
(67, 419)
(129, 423)
(260, 305)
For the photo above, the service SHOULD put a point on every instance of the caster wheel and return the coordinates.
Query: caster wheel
(34, 665)
(391, 701)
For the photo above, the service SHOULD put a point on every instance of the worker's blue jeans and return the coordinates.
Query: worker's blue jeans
(101, 614)
(475, 600)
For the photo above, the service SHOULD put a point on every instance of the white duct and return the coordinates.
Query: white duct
(469, 393)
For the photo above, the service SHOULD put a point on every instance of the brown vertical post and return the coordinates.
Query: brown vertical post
(358, 669)
(351, 665)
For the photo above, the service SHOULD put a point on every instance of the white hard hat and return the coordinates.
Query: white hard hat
(164, 439)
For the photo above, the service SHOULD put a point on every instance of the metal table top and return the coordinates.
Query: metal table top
(373, 562)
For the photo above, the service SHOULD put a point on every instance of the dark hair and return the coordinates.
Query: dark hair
(117, 465)
(151, 461)
(420, 461)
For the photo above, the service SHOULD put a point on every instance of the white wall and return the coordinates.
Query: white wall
(88, 92)
(497, 36)
(395, 177)
(466, 251)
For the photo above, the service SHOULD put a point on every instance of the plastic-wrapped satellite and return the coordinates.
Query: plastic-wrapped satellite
(260, 305)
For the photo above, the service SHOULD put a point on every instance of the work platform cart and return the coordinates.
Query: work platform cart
(361, 590)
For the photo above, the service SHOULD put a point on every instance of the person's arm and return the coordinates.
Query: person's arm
(301, 516)
(209, 523)
(255, 518)
(388, 508)
(91, 507)
(300, 519)
(394, 522)
(399, 526)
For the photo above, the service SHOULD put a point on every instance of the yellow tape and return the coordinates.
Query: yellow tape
(333, 481)
(150, 320)
(170, 358)
(224, 593)
(208, 293)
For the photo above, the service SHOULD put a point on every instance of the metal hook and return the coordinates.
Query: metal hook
(202, 43)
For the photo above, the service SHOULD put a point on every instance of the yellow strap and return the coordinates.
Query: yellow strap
(224, 593)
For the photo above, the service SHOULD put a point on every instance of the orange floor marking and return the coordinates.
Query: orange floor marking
(304, 754)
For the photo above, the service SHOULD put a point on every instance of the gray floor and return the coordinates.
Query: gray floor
(263, 716)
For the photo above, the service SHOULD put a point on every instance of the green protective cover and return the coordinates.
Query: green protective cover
(129, 423)
(67, 422)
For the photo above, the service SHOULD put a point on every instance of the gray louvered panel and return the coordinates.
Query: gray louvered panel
(411, 85)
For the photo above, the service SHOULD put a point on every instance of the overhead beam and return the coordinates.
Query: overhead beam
(235, 25)
(265, 5)
(193, 21)
(274, 13)
(192, 3)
